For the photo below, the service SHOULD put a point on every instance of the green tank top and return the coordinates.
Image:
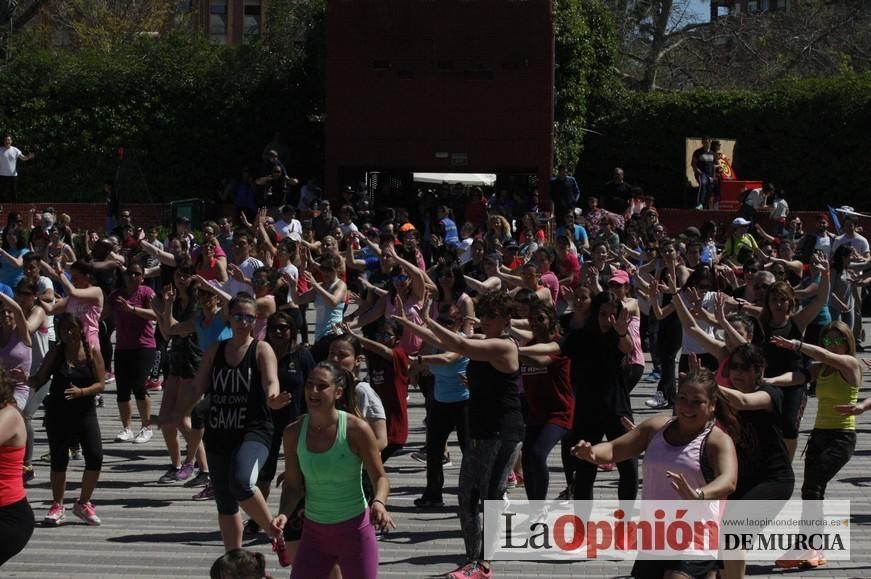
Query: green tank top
(832, 389)
(333, 481)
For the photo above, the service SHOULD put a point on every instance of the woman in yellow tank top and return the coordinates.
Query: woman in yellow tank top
(833, 438)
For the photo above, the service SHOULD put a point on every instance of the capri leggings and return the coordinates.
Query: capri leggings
(132, 368)
(234, 475)
(351, 544)
(16, 527)
(280, 420)
(66, 426)
(794, 402)
(483, 476)
(540, 440)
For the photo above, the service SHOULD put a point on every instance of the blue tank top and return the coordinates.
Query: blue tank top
(218, 331)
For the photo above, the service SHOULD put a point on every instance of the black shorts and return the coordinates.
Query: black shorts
(183, 357)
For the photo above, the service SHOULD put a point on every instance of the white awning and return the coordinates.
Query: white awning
(464, 178)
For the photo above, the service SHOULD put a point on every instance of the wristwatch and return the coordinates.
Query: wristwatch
(700, 494)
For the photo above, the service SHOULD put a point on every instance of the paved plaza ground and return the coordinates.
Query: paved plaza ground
(155, 530)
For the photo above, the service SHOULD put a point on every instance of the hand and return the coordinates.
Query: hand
(849, 409)
(73, 392)
(680, 484)
(693, 363)
(19, 376)
(310, 278)
(124, 304)
(426, 306)
(168, 294)
(235, 272)
(720, 307)
(380, 518)
(353, 298)
(621, 323)
(276, 527)
(280, 401)
(782, 342)
(583, 450)
(345, 327)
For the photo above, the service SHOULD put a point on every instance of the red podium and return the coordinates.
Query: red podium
(730, 193)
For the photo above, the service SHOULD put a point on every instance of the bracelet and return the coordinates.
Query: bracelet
(379, 501)
(797, 344)
(700, 494)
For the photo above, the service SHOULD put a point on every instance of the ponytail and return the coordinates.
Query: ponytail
(723, 411)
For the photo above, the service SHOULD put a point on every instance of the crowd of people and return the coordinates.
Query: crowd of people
(523, 329)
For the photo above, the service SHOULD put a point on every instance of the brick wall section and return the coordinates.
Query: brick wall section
(93, 215)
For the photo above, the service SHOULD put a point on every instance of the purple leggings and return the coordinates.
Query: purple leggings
(351, 544)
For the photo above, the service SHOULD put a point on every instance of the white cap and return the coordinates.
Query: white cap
(740, 222)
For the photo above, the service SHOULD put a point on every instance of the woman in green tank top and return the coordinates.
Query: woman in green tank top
(325, 451)
(838, 375)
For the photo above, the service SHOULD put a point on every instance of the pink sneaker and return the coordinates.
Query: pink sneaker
(55, 515)
(86, 512)
(153, 384)
(512, 481)
(518, 480)
(463, 572)
(608, 467)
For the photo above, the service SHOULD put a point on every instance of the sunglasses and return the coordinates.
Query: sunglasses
(279, 328)
(260, 282)
(400, 278)
(247, 318)
(833, 341)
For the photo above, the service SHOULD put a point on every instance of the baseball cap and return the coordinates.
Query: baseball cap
(406, 227)
(740, 222)
(620, 277)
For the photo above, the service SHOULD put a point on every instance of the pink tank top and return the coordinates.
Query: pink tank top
(260, 324)
(11, 483)
(88, 312)
(662, 456)
(636, 356)
(721, 378)
(409, 341)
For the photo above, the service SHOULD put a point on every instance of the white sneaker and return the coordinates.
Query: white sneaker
(125, 435)
(658, 401)
(144, 436)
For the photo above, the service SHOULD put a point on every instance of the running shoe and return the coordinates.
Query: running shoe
(251, 528)
(446, 460)
(512, 481)
(27, 473)
(86, 512)
(280, 548)
(126, 435)
(463, 572)
(207, 494)
(143, 436)
(154, 384)
(425, 503)
(170, 476)
(201, 480)
(186, 471)
(76, 453)
(109, 378)
(658, 401)
(607, 467)
(55, 515)
(419, 456)
(98, 399)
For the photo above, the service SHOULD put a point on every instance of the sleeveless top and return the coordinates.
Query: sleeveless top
(722, 378)
(687, 459)
(11, 483)
(832, 389)
(215, 332)
(636, 356)
(779, 360)
(327, 316)
(238, 411)
(333, 485)
(409, 340)
(88, 313)
(62, 377)
(494, 402)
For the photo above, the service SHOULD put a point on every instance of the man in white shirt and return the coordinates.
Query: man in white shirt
(242, 270)
(851, 238)
(289, 226)
(9, 157)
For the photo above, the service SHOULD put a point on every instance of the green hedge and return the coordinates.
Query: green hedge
(187, 113)
(809, 137)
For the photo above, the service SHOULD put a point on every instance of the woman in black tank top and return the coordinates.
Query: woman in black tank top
(497, 428)
(240, 379)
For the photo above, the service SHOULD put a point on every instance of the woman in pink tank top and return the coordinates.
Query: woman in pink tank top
(690, 456)
(83, 300)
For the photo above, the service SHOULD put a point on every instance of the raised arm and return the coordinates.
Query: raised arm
(759, 400)
(806, 315)
(710, 344)
(21, 328)
(164, 257)
(846, 364)
(371, 345)
(15, 261)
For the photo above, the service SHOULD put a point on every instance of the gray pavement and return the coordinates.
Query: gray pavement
(154, 530)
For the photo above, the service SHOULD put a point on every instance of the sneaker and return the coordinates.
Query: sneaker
(658, 401)
(145, 434)
(201, 480)
(463, 572)
(251, 528)
(207, 494)
(126, 435)
(446, 460)
(512, 481)
(86, 512)
(567, 494)
(607, 467)
(170, 476)
(98, 399)
(27, 473)
(154, 384)
(76, 453)
(46, 457)
(109, 378)
(425, 503)
(518, 480)
(419, 456)
(699, 207)
(186, 471)
(55, 515)
(654, 376)
(280, 548)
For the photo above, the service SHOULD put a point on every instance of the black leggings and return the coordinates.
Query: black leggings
(632, 375)
(132, 368)
(539, 441)
(442, 419)
(280, 420)
(593, 431)
(827, 453)
(16, 527)
(669, 337)
(66, 426)
(107, 327)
